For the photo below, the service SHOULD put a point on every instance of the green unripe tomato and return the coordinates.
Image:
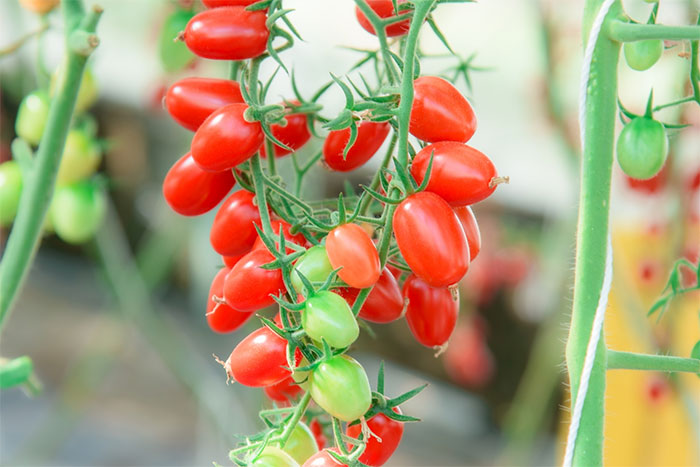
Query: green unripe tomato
(301, 443)
(642, 55)
(87, 94)
(32, 115)
(314, 265)
(302, 377)
(80, 159)
(340, 387)
(328, 316)
(642, 148)
(77, 211)
(16, 371)
(10, 191)
(274, 457)
(174, 55)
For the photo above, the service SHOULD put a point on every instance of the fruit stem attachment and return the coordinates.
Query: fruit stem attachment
(495, 181)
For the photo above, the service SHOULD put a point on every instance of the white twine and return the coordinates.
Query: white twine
(599, 317)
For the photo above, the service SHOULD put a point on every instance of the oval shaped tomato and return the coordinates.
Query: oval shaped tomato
(385, 9)
(226, 139)
(384, 303)
(295, 134)
(370, 136)
(274, 457)
(191, 100)
(440, 112)
(297, 239)
(328, 316)
(77, 211)
(233, 231)
(191, 191)
(467, 359)
(642, 55)
(431, 313)
(460, 174)
(249, 287)
(642, 148)
(324, 459)
(32, 115)
(380, 447)
(221, 317)
(471, 230)
(314, 265)
(10, 191)
(81, 157)
(340, 387)
(227, 33)
(301, 443)
(260, 359)
(173, 54)
(431, 239)
(350, 248)
(284, 391)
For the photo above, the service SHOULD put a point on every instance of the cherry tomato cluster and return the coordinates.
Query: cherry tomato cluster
(395, 250)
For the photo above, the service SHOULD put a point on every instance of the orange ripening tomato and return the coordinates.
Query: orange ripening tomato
(440, 112)
(350, 248)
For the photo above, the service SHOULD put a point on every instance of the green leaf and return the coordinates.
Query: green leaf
(15, 372)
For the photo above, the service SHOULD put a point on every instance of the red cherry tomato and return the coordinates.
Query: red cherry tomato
(220, 3)
(468, 360)
(323, 459)
(191, 191)
(191, 100)
(471, 229)
(227, 33)
(385, 9)
(350, 248)
(440, 112)
(431, 313)
(221, 317)
(230, 261)
(284, 391)
(298, 239)
(370, 136)
(384, 303)
(317, 430)
(396, 272)
(260, 359)
(389, 431)
(226, 139)
(460, 174)
(431, 239)
(294, 135)
(233, 232)
(249, 287)
(651, 185)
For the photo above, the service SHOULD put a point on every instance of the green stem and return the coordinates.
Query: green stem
(39, 184)
(637, 361)
(380, 32)
(674, 103)
(298, 413)
(621, 31)
(374, 185)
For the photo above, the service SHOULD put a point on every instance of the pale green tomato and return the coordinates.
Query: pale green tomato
(642, 148)
(314, 265)
(301, 443)
(340, 387)
(642, 55)
(77, 211)
(81, 157)
(87, 95)
(32, 115)
(301, 377)
(328, 316)
(274, 457)
(10, 191)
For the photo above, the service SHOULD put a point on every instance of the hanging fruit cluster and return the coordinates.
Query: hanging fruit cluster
(398, 248)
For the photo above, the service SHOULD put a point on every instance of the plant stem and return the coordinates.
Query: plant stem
(637, 361)
(621, 31)
(380, 32)
(39, 182)
(298, 413)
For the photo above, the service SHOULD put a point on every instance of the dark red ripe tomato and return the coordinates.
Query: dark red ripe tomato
(260, 359)
(284, 391)
(298, 238)
(385, 9)
(191, 191)
(221, 317)
(191, 100)
(225, 139)
(468, 360)
(227, 33)
(220, 3)
(384, 303)
(471, 230)
(249, 287)
(350, 248)
(230, 261)
(323, 459)
(431, 313)
(387, 430)
(294, 135)
(460, 174)
(233, 232)
(370, 136)
(440, 112)
(431, 239)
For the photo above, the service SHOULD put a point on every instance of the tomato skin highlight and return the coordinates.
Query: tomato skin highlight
(460, 174)
(350, 248)
(221, 317)
(248, 287)
(340, 387)
(471, 230)
(389, 431)
(260, 359)
(370, 136)
(431, 313)
(323, 459)
(431, 239)
(227, 33)
(226, 139)
(295, 135)
(233, 231)
(328, 317)
(190, 191)
(384, 9)
(440, 112)
(284, 391)
(384, 303)
(642, 148)
(314, 265)
(191, 100)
